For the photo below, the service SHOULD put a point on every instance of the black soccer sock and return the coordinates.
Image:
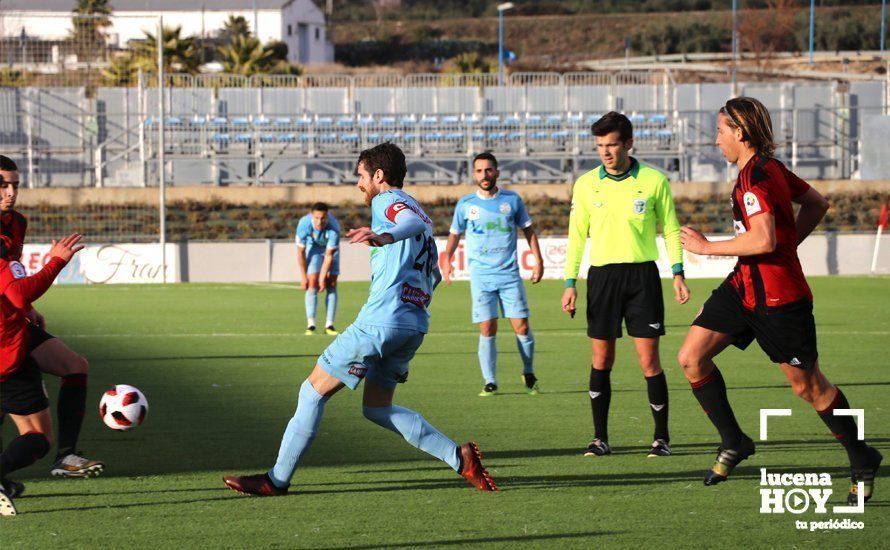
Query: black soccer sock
(658, 401)
(600, 397)
(711, 394)
(844, 430)
(70, 410)
(23, 451)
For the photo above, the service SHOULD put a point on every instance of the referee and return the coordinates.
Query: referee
(618, 205)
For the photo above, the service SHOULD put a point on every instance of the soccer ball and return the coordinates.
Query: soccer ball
(123, 407)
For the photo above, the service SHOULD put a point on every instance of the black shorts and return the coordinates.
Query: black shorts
(23, 393)
(787, 333)
(36, 337)
(624, 291)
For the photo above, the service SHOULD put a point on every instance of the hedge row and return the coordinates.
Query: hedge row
(216, 220)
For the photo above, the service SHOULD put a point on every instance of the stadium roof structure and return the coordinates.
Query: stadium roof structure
(145, 5)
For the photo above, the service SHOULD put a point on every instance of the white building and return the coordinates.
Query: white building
(298, 23)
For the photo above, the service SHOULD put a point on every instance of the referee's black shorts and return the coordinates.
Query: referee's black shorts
(631, 292)
(787, 333)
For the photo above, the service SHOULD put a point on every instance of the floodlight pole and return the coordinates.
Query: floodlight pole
(501, 9)
(162, 183)
(883, 25)
(735, 43)
(812, 28)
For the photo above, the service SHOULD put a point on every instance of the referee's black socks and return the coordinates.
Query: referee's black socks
(600, 397)
(658, 402)
(711, 394)
(844, 430)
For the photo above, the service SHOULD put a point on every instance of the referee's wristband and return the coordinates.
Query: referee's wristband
(570, 283)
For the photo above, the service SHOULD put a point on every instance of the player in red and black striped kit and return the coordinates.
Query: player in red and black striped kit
(22, 393)
(766, 297)
(50, 354)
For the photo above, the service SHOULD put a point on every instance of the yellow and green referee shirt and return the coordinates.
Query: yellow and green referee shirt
(619, 214)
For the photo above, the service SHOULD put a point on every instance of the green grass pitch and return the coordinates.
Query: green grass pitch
(221, 366)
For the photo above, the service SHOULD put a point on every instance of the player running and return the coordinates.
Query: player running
(766, 297)
(22, 394)
(619, 206)
(318, 255)
(491, 217)
(50, 353)
(381, 342)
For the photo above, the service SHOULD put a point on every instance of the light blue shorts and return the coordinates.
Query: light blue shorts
(315, 259)
(489, 296)
(381, 354)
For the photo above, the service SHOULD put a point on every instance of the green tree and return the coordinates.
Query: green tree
(180, 53)
(121, 71)
(233, 28)
(245, 55)
(88, 28)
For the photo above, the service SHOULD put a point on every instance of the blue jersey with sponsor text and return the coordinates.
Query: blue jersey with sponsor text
(402, 278)
(315, 240)
(490, 225)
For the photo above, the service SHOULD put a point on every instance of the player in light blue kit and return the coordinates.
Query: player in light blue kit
(491, 217)
(318, 257)
(383, 339)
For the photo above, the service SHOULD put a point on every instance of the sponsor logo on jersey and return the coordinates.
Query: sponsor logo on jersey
(358, 370)
(640, 206)
(414, 295)
(752, 203)
(473, 213)
(504, 208)
(17, 270)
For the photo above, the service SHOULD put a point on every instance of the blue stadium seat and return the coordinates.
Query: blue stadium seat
(373, 136)
(560, 135)
(324, 121)
(637, 118)
(478, 136)
(450, 119)
(574, 119)
(268, 138)
(282, 121)
(327, 137)
(512, 120)
(472, 119)
(392, 136)
(350, 138)
(219, 121)
(664, 134)
(533, 119)
(658, 119)
(365, 121)
(433, 136)
(287, 138)
(344, 122)
(243, 138)
(197, 121)
(515, 136)
(554, 120)
(387, 121)
(539, 135)
(261, 121)
(172, 121)
(408, 121)
(454, 136)
(492, 120)
(593, 118)
(220, 138)
(240, 121)
(497, 135)
(645, 134)
(410, 136)
(429, 120)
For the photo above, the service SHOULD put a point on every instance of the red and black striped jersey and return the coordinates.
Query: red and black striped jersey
(14, 225)
(765, 185)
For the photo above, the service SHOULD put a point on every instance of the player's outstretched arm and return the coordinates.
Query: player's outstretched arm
(813, 207)
(367, 236)
(21, 292)
(759, 239)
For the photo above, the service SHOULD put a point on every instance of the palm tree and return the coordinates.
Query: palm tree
(88, 23)
(121, 71)
(233, 28)
(245, 55)
(180, 53)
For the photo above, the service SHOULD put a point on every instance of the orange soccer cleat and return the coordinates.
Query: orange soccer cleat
(472, 470)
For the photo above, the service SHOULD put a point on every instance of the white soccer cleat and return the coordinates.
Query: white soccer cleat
(72, 465)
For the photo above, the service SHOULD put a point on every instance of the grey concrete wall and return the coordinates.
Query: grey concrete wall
(265, 261)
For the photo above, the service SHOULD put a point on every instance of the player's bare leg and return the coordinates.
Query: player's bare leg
(34, 442)
(311, 302)
(812, 386)
(301, 430)
(488, 356)
(56, 358)
(378, 407)
(656, 387)
(600, 393)
(696, 356)
(525, 342)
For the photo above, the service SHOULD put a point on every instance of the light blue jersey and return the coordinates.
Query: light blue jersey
(490, 225)
(316, 241)
(402, 273)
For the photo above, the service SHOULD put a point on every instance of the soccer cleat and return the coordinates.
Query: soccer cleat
(256, 485)
(74, 465)
(310, 330)
(472, 470)
(489, 390)
(331, 331)
(13, 489)
(531, 384)
(727, 460)
(866, 476)
(659, 447)
(7, 507)
(597, 447)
